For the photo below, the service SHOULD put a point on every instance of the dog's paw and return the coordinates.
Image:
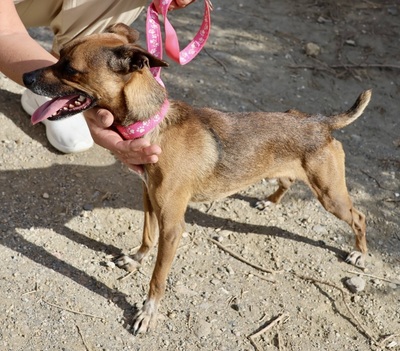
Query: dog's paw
(127, 263)
(356, 258)
(146, 318)
(263, 204)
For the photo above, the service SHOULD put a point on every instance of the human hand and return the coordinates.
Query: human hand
(175, 4)
(134, 153)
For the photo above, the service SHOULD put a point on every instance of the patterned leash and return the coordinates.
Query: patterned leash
(154, 45)
(154, 38)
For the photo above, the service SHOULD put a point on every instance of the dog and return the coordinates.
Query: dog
(206, 154)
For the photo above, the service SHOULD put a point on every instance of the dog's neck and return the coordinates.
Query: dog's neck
(145, 105)
(138, 129)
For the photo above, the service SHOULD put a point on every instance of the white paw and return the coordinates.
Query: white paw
(146, 318)
(127, 263)
(356, 259)
(263, 204)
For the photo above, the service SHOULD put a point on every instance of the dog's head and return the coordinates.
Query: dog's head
(108, 70)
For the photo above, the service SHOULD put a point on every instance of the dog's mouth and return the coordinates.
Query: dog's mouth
(61, 107)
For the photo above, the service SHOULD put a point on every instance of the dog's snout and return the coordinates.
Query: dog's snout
(29, 79)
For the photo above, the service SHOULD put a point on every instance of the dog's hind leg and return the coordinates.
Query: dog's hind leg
(326, 176)
(149, 237)
(284, 184)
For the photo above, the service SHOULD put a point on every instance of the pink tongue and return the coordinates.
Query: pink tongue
(49, 108)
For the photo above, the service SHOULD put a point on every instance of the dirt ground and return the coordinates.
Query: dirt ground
(64, 217)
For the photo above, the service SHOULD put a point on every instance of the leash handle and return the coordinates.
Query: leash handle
(154, 38)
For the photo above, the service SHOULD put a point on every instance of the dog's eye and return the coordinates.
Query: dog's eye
(70, 70)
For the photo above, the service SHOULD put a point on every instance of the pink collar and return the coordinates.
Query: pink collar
(154, 45)
(138, 129)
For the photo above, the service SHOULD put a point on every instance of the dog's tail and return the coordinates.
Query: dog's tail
(343, 119)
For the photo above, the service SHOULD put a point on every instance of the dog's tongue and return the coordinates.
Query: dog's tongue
(50, 107)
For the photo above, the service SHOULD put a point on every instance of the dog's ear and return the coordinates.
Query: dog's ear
(130, 58)
(132, 35)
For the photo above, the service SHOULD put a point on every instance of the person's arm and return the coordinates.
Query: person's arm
(19, 53)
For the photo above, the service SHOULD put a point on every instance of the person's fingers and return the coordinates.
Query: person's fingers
(100, 117)
(137, 151)
(99, 121)
(175, 4)
(133, 153)
(183, 3)
(105, 118)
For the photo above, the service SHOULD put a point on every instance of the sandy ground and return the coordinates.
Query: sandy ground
(64, 217)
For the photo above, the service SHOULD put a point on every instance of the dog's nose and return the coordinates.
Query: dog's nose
(29, 79)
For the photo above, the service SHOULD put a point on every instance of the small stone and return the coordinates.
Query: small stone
(110, 264)
(230, 270)
(355, 284)
(312, 49)
(45, 196)
(322, 19)
(88, 207)
(235, 307)
(350, 42)
(171, 314)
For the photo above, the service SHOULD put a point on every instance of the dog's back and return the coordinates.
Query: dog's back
(227, 152)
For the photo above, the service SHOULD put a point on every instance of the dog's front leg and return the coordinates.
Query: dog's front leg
(148, 240)
(171, 223)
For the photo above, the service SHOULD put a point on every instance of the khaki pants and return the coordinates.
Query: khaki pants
(72, 18)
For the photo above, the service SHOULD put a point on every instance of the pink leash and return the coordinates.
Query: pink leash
(154, 45)
(154, 39)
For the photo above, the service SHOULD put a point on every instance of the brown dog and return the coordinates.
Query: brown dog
(206, 154)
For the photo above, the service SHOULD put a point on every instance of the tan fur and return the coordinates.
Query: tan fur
(206, 154)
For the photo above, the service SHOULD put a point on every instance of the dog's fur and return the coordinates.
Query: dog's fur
(206, 154)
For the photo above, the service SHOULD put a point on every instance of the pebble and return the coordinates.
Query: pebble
(45, 196)
(110, 264)
(312, 49)
(350, 42)
(355, 284)
(230, 270)
(219, 238)
(235, 307)
(322, 19)
(88, 207)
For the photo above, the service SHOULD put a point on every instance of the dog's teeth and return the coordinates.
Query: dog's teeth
(71, 106)
(77, 103)
(65, 108)
(81, 98)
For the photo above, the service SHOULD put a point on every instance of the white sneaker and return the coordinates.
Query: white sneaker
(68, 135)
